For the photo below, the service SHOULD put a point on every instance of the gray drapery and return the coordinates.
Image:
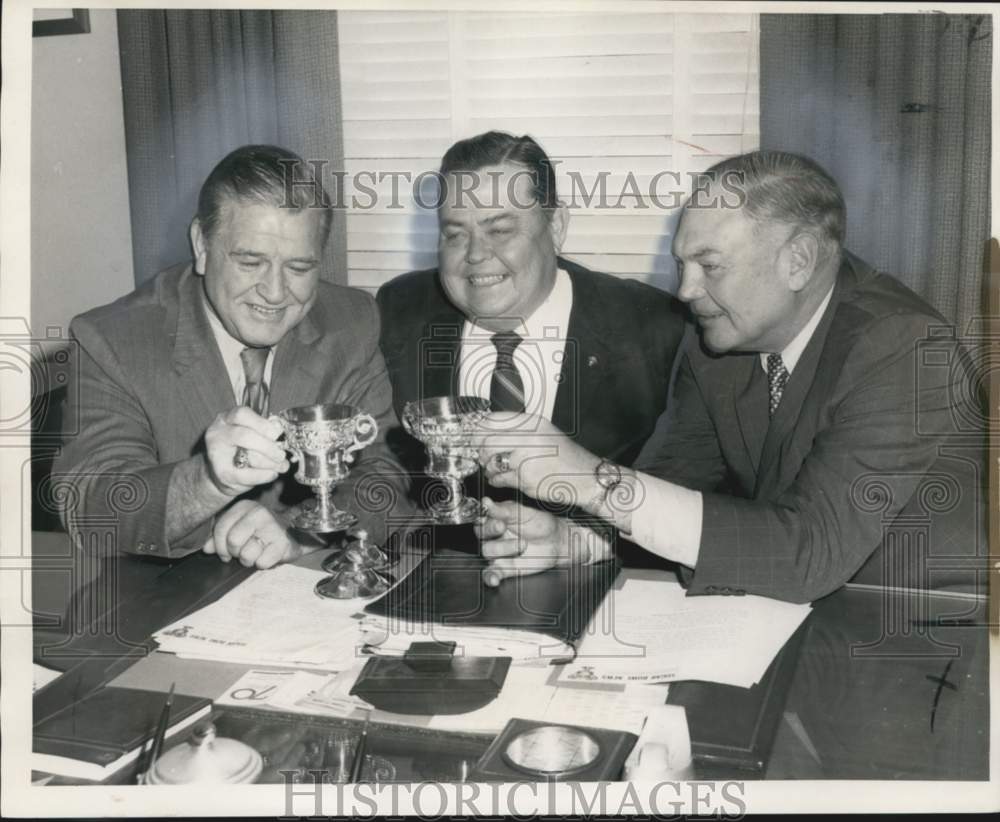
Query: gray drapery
(897, 108)
(197, 84)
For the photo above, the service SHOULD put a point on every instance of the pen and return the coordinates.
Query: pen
(161, 729)
(359, 754)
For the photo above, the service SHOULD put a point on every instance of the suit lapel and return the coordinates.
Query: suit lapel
(824, 354)
(587, 359)
(750, 402)
(300, 361)
(203, 382)
(437, 358)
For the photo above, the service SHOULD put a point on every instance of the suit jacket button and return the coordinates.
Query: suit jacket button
(592, 361)
(141, 547)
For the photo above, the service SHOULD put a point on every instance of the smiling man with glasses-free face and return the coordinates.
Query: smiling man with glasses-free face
(261, 268)
(497, 246)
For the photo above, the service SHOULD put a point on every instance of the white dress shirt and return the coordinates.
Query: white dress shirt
(538, 358)
(668, 521)
(230, 348)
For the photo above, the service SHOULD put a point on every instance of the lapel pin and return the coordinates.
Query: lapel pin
(592, 361)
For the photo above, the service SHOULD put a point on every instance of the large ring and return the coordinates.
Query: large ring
(241, 459)
(501, 462)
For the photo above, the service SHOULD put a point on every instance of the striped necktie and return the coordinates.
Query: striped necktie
(255, 393)
(506, 387)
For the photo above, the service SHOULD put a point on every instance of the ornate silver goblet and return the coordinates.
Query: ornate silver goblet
(322, 440)
(445, 426)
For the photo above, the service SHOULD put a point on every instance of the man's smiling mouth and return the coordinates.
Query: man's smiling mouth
(485, 280)
(269, 313)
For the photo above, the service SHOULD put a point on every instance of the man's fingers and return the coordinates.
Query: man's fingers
(505, 568)
(499, 548)
(245, 416)
(253, 520)
(272, 555)
(263, 452)
(506, 512)
(488, 529)
(509, 421)
(224, 522)
(251, 550)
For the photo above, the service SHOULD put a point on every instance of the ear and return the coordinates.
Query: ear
(558, 226)
(800, 258)
(199, 246)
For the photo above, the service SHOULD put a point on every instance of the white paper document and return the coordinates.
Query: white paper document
(42, 676)
(391, 636)
(295, 692)
(273, 618)
(649, 631)
(534, 692)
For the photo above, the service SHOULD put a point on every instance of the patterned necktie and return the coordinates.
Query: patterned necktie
(506, 387)
(777, 376)
(255, 392)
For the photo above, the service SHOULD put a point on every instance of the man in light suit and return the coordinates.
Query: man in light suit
(810, 420)
(590, 352)
(177, 379)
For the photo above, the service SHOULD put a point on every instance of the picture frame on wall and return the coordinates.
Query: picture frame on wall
(48, 22)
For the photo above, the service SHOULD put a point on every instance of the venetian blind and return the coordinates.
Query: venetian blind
(628, 105)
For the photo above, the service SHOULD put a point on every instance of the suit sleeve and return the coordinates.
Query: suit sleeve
(881, 437)
(377, 489)
(108, 476)
(684, 447)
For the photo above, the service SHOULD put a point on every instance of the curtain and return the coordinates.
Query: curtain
(197, 84)
(897, 108)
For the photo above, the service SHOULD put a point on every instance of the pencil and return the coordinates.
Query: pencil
(161, 728)
(357, 765)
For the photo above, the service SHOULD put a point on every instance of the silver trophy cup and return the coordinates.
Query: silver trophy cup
(322, 440)
(445, 426)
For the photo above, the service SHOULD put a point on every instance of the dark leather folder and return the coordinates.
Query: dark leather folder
(446, 588)
(732, 729)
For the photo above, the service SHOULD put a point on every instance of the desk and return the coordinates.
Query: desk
(886, 686)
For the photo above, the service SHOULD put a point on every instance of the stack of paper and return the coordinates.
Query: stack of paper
(649, 631)
(391, 636)
(273, 618)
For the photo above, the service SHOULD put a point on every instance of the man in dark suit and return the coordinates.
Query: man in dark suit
(505, 318)
(809, 423)
(177, 379)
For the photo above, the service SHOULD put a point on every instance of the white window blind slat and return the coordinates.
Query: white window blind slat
(614, 98)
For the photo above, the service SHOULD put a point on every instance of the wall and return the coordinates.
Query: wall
(81, 247)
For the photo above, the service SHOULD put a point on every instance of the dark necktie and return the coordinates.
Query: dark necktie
(777, 376)
(255, 392)
(506, 387)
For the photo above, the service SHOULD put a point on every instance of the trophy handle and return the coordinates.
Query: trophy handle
(365, 429)
(409, 423)
(293, 455)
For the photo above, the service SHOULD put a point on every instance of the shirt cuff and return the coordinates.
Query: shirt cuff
(668, 521)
